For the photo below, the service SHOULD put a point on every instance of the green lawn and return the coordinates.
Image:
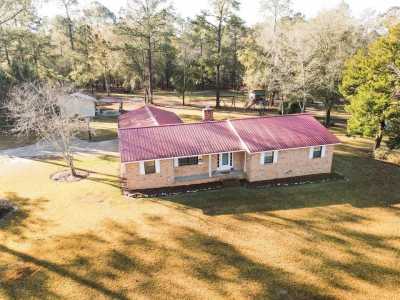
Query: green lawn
(12, 141)
(84, 240)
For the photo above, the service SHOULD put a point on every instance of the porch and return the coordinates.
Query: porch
(217, 174)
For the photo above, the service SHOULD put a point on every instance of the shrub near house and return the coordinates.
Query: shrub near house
(254, 149)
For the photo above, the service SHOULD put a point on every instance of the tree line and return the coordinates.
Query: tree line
(147, 46)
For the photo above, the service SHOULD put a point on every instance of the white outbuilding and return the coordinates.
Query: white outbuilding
(79, 104)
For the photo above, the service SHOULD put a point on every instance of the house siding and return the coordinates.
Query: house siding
(168, 173)
(291, 163)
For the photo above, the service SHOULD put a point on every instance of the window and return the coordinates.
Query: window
(317, 152)
(150, 167)
(188, 161)
(225, 159)
(268, 158)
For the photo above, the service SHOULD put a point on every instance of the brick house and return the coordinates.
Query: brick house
(159, 150)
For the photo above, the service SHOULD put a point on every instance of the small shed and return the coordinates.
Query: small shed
(79, 104)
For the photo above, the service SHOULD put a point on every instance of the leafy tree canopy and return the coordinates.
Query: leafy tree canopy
(371, 82)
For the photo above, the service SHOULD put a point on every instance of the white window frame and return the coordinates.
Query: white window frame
(312, 149)
(142, 170)
(199, 157)
(230, 161)
(262, 157)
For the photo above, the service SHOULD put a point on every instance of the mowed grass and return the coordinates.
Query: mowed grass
(8, 141)
(84, 240)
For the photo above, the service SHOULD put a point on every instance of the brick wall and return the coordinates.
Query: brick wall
(291, 163)
(134, 180)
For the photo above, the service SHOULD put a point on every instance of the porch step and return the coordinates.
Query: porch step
(231, 183)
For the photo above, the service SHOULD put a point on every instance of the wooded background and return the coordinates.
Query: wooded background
(146, 46)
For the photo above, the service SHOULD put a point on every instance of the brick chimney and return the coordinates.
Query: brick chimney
(208, 114)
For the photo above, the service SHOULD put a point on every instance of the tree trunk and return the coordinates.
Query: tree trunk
(71, 166)
(328, 116)
(218, 65)
(379, 136)
(217, 86)
(184, 85)
(7, 55)
(235, 63)
(106, 84)
(89, 130)
(70, 34)
(203, 84)
(150, 68)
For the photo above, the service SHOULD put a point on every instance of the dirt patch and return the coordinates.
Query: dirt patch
(6, 208)
(66, 176)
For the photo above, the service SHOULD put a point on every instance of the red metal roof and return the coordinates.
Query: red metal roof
(177, 141)
(282, 132)
(147, 116)
(252, 135)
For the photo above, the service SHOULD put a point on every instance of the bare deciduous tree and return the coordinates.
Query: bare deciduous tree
(37, 109)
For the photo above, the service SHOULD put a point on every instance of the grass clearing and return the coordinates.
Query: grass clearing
(336, 240)
(13, 141)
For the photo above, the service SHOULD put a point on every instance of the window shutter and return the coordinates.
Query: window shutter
(311, 153)
(218, 160)
(323, 151)
(231, 159)
(276, 156)
(262, 158)
(176, 162)
(157, 166)
(141, 167)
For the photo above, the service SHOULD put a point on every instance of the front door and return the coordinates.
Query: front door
(225, 161)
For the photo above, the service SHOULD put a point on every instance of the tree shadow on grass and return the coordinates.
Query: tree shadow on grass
(59, 270)
(25, 281)
(322, 230)
(18, 223)
(358, 266)
(226, 265)
(127, 263)
(370, 183)
(154, 267)
(100, 177)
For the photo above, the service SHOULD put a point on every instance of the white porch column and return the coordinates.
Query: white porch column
(245, 162)
(209, 166)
